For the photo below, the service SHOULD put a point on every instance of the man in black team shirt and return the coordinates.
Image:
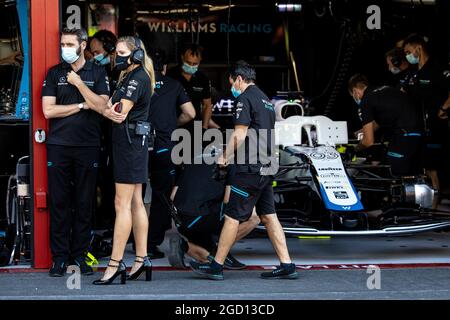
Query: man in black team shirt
(430, 90)
(251, 184)
(196, 83)
(73, 97)
(398, 66)
(393, 112)
(169, 100)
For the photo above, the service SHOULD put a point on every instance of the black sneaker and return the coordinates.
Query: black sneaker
(176, 255)
(85, 269)
(58, 269)
(231, 263)
(154, 253)
(281, 273)
(205, 270)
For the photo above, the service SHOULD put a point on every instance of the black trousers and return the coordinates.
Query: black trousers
(162, 180)
(405, 155)
(72, 174)
(203, 231)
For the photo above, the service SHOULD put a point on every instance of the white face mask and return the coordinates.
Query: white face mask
(69, 55)
(394, 70)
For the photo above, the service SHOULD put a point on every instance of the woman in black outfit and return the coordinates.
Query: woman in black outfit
(128, 109)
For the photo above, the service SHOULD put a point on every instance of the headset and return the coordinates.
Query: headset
(109, 46)
(396, 60)
(108, 42)
(138, 56)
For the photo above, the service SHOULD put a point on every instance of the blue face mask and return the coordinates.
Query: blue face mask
(101, 59)
(70, 55)
(412, 59)
(358, 101)
(189, 69)
(236, 93)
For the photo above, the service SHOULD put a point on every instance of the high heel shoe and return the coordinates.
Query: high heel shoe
(121, 271)
(146, 266)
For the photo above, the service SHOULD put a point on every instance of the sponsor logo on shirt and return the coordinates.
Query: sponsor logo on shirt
(239, 109)
(62, 81)
(159, 84)
(268, 105)
(89, 83)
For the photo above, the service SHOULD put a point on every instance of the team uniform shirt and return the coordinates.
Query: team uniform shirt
(251, 187)
(254, 110)
(135, 87)
(169, 96)
(429, 88)
(391, 109)
(198, 88)
(83, 128)
(402, 125)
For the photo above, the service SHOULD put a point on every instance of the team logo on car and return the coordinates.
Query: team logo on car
(318, 155)
(327, 155)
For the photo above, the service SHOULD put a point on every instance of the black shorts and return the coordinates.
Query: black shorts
(130, 161)
(250, 190)
(202, 230)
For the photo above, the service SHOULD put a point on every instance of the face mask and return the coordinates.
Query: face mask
(236, 93)
(101, 59)
(70, 55)
(122, 62)
(412, 59)
(394, 70)
(358, 101)
(190, 69)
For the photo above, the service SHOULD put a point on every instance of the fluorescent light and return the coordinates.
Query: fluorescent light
(289, 7)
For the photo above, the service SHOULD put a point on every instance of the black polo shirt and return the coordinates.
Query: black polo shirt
(83, 128)
(135, 87)
(429, 88)
(400, 79)
(198, 88)
(169, 96)
(254, 110)
(391, 109)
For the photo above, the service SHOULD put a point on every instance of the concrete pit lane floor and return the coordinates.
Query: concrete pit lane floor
(411, 267)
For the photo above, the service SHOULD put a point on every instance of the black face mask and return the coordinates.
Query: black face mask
(122, 62)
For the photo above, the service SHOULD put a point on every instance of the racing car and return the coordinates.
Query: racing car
(320, 191)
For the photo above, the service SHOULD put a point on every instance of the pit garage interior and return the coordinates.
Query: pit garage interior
(303, 51)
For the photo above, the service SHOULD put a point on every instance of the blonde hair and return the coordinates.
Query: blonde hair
(147, 64)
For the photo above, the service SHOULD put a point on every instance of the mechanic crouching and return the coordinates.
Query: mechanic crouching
(170, 107)
(200, 197)
(392, 111)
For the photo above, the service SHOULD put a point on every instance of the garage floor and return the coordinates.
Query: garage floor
(330, 269)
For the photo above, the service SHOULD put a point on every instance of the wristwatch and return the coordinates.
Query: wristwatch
(81, 106)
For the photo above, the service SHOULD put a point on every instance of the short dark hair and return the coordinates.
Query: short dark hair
(416, 39)
(243, 69)
(80, 33)
(395, 53)
(108, 39)
(357, 81)
(194, 48)
(159, 58)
